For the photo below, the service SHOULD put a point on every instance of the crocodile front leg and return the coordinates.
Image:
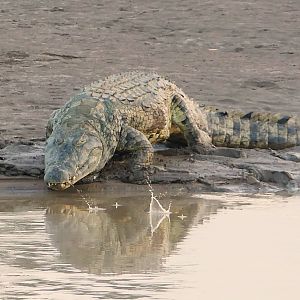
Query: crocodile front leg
(141, 151)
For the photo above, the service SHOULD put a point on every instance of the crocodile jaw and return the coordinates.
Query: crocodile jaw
(58, 186)
(58, 178)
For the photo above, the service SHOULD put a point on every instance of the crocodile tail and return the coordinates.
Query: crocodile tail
(252, 130)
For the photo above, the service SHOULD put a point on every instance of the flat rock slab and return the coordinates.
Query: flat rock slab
(22, 159)
(232, 170)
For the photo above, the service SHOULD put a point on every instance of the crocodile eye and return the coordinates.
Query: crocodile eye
(59, 141)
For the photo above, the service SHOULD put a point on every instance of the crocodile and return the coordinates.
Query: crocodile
(128, 112)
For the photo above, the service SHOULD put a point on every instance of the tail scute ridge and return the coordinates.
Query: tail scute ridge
(253, 129)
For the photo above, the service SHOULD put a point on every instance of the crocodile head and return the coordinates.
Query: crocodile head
(70, 156)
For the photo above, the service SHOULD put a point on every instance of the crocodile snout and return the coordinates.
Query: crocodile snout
(57, 178)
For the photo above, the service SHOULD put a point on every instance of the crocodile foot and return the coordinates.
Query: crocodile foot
(203, 148)
(140, 176)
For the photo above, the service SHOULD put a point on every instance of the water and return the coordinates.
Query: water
(202, 246)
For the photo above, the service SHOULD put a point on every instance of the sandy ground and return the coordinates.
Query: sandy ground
(230, 53)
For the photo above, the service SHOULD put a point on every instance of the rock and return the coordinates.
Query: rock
(236, 170)
(22, 159)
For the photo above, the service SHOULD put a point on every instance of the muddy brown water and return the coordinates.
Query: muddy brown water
(103, 243)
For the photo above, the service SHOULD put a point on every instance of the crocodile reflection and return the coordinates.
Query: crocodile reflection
(121, 240)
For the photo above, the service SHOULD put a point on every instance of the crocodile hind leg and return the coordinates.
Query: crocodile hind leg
(141, 152)
(192, 123)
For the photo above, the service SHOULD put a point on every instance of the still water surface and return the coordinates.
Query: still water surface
(104, 244)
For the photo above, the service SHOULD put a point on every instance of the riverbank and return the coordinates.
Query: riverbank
(231, 54)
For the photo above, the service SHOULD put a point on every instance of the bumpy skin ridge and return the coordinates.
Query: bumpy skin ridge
(130, 111)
